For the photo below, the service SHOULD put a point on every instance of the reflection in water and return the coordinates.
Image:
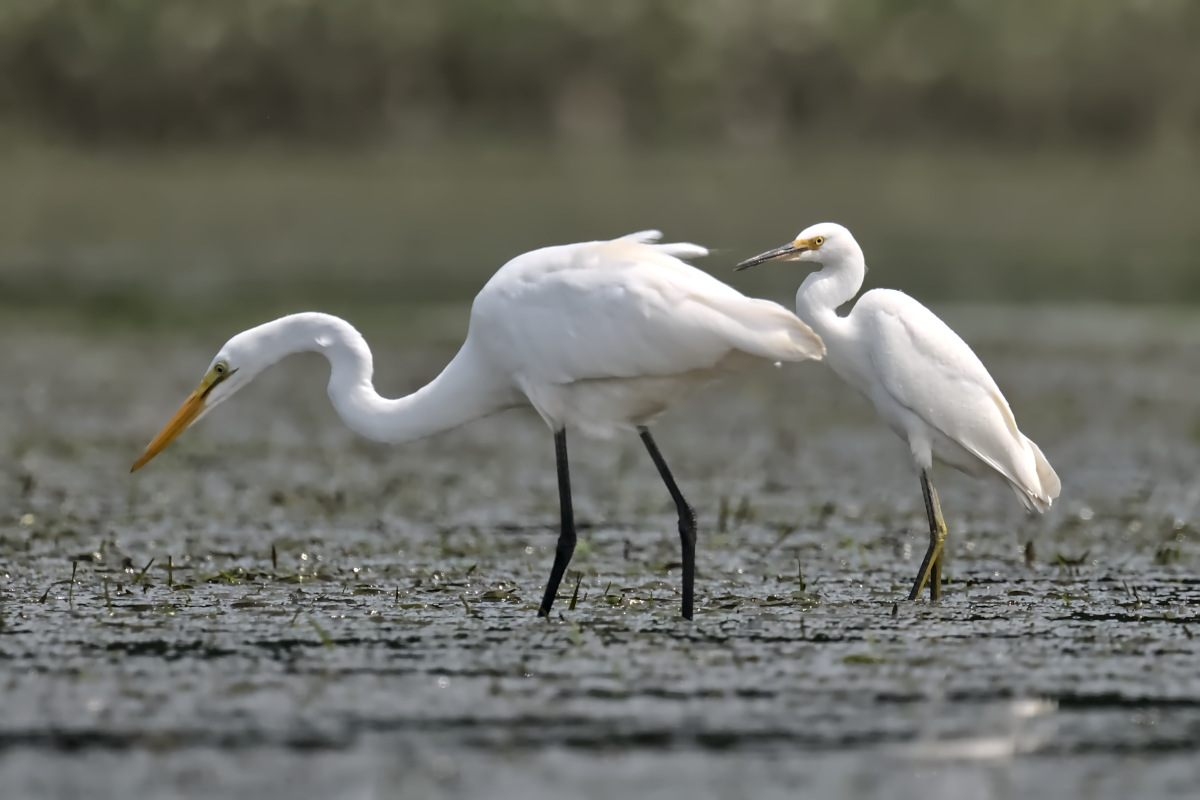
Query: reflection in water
(995, 731)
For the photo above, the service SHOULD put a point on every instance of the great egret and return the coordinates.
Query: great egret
(595, 336)
(924, 380)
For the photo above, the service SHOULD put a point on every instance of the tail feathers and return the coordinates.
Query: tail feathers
(677, 249)
(777, 334)
(759, 327)
(1033, 503)
(1051, 485)
(1041, 498)
(807, 343)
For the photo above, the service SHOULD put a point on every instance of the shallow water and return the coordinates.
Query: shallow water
(276, 607)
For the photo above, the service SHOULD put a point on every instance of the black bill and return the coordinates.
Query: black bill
(787, 249)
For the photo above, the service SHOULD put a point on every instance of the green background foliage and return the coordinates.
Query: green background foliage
(1097, 72)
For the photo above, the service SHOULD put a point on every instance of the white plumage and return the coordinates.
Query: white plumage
(924, 380)
(606, 335)
(933, 390)
(597, 337)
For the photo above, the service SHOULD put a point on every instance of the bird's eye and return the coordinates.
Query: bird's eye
(819, 240)
(220, 369)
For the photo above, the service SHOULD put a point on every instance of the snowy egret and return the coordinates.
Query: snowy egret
(924, 380)
(597, 336)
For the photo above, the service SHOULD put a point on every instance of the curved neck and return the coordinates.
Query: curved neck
(824, 291)
(465, 390)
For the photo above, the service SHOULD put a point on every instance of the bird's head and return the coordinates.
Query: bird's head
(233, 367)
(823, 243)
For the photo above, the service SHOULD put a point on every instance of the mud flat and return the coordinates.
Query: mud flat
(274, 607)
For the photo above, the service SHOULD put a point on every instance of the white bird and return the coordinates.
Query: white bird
(925, 381)
(597, 336)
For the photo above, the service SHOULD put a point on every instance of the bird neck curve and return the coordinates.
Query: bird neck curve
(824, 291)
(465, 390)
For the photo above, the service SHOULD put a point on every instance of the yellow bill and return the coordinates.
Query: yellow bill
(185, 416)
(192, 408)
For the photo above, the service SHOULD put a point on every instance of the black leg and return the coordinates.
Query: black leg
(687, 522)
(931, 565)
(566, 536)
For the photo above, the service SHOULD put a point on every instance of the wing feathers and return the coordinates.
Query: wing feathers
(626, 308)
(922, 365)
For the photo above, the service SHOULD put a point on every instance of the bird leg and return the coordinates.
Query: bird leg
(566, 537)
(935, 578)
(687, 521)
(931, 566)
(935, 574)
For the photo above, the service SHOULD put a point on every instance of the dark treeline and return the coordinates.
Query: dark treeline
(1016, 73)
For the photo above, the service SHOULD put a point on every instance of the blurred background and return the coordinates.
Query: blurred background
(197, 159)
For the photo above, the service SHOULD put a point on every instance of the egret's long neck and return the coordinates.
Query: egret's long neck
(823, 292)
(465, 390)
